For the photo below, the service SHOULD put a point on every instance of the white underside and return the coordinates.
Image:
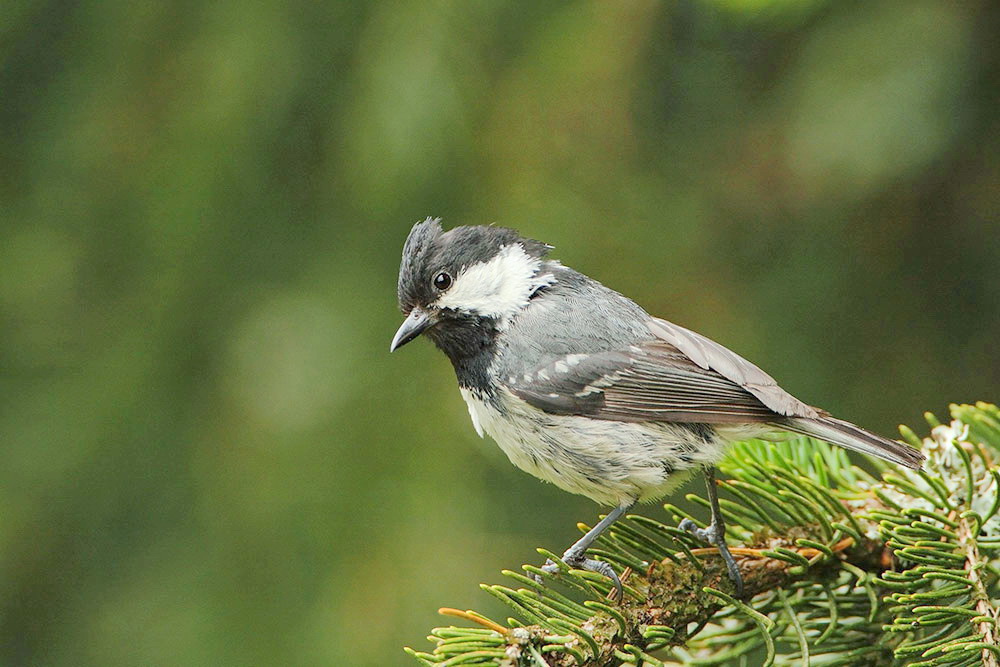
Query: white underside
(611, 462)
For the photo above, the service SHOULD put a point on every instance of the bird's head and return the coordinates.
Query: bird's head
(462, 285)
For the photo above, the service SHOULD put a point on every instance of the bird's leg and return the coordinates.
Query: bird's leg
(715, 534)
(575, 556)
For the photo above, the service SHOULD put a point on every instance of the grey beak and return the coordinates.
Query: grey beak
(415, 324)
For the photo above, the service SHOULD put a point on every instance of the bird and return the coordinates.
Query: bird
(581, 387)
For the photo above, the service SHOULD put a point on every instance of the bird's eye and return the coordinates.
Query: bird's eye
(442, 281)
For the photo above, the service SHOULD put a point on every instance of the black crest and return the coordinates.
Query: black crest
(418, 255)
(429, 250)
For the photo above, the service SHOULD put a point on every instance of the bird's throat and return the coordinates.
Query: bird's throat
(470, 343)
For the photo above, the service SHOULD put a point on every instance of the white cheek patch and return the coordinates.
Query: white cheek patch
(497, 288)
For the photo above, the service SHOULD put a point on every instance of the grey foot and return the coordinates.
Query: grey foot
(581, 562)
(706, 535)
(716, 536)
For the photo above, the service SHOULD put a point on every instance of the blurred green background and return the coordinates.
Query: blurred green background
(209, 457)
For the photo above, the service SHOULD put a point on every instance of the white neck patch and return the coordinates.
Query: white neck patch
(497, 288)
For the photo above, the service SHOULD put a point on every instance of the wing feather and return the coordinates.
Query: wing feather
(653, 381)
(681, 376)
(708, 354)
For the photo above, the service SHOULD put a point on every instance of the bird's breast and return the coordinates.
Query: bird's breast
(610, 462)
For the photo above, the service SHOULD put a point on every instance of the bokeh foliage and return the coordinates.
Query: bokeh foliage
(208, 456)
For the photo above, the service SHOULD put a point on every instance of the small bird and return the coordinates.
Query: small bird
(583, 388)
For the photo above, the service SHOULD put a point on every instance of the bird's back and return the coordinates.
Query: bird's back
(574, 315)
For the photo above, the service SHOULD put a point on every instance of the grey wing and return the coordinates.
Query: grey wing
(649, 381)
(683, 377)
(710, 355)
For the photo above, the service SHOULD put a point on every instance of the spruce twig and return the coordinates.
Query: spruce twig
(840, 568)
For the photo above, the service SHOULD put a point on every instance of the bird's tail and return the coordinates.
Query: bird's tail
(846, 434)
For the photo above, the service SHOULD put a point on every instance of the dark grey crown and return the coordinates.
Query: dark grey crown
(429, 250)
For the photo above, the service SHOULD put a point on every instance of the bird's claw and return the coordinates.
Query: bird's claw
(581, 562)
(550, 567)
(706, 535)
(717, 538)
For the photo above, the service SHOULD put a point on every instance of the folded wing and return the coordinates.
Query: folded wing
(651, 381)
(681, 376)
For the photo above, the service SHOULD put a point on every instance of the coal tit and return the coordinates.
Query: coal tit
(582, 388)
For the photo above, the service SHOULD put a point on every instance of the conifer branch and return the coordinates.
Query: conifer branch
(840, 568)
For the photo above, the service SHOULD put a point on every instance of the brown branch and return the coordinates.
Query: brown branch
(987, 627)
